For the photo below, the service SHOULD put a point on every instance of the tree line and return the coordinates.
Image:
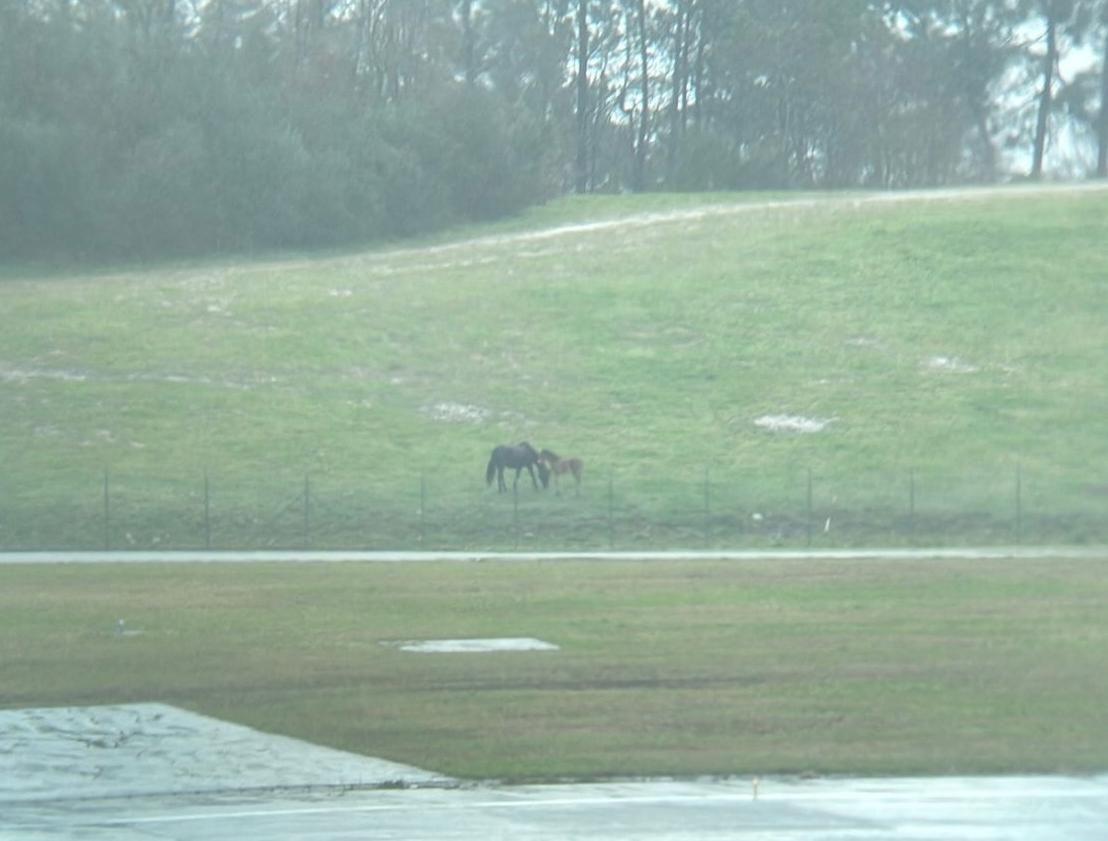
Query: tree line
(150, 128)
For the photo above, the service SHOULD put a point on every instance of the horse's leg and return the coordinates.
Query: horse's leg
(500, 485)
(534, 481)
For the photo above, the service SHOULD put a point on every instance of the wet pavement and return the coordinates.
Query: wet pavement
(150, 771)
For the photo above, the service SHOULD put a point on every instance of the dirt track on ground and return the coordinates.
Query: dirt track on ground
(379, 260)
(846, 200)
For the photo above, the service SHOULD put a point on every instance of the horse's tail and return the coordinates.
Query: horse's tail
(491, 471)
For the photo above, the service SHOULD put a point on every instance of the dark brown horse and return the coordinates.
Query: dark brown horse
(521, 456)
(559, 465)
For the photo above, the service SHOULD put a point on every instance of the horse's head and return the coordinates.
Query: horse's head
(544, 474)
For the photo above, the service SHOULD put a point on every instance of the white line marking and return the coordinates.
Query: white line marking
(335, 556)
(423, 806)
(913, 792)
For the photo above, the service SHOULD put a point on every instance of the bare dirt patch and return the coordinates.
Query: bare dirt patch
(450, 412)
(793, 423)
(472, 646)
(950, 364)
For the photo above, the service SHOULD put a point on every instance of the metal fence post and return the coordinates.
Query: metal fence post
(515, 516)
(422, 510)
(307, 511)
(1019, 504)
(912, 505)
(707, 506)
(808, 525)
(107, 512)
(611, 514)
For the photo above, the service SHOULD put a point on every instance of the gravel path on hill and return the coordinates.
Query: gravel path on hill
(832, 201)
(380, 261)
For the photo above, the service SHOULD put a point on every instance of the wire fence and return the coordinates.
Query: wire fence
(791, 507)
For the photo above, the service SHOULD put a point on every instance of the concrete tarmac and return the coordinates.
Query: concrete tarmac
(947, 809)
(139, 772)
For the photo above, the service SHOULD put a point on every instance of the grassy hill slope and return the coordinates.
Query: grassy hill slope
(953, 350)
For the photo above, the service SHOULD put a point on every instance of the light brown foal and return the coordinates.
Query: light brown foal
(559, 465)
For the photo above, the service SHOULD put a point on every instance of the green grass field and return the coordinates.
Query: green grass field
(682, 668)
(955, 349)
